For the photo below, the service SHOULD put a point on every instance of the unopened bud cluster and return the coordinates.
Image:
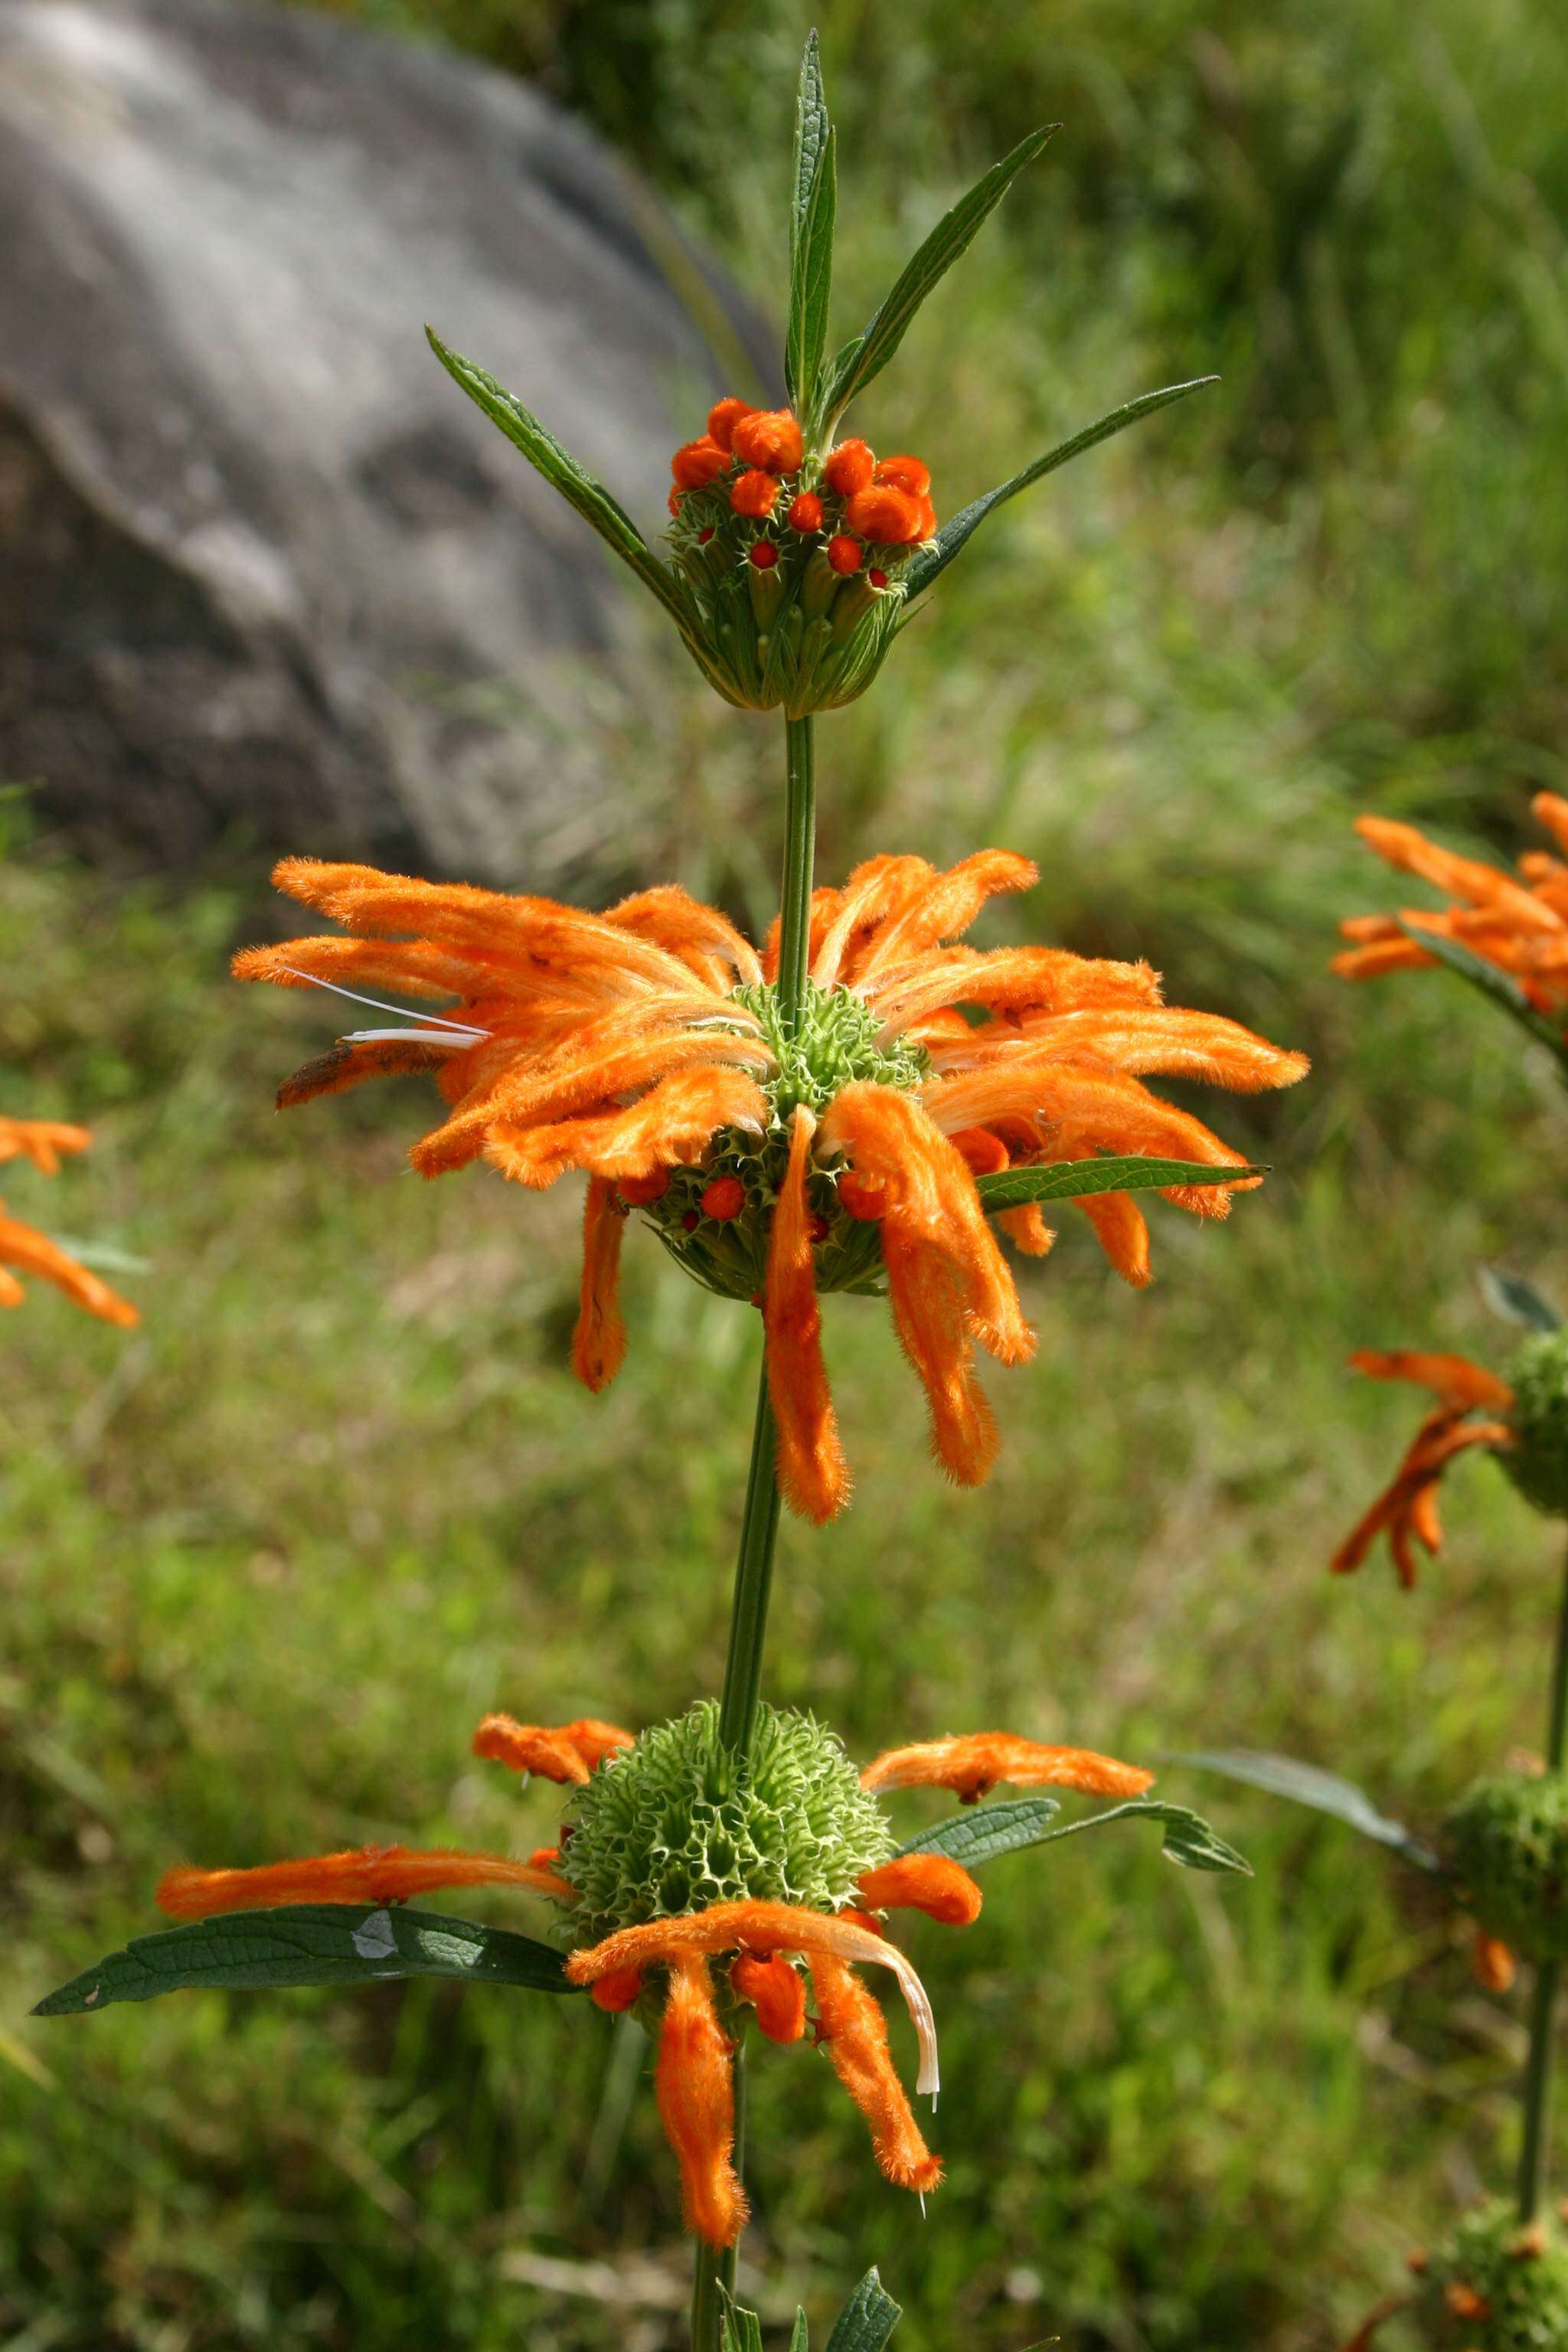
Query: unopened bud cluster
(794, 561)
(1537, 1461)
(1494, 2285)
(677, 1824)
(1507, 1843)
(716, 1219)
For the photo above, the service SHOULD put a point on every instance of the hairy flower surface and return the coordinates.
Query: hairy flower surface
(774, 1159)
(696, 1887)
(24, 1250)
(792, 560)
(1520, 926)
(1525, 1425)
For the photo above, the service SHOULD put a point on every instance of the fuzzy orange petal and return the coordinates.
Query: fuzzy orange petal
(372, 1873)
(1453, 1379)
(567, 1752)
(669, 1126)
(694, 2083)
(856, 2034)
(933, 1332)
(945, 908)
(814, 1477)
(344, 1065)
(34, 1252)
(932, 1883)
(41, 1141)
(599, 1341)
(970, 1763)
(775, 1991)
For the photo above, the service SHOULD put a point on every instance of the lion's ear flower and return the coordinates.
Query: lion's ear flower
(974, 1763)
(25, 1250)
(1407, 1510)
(779, 1161)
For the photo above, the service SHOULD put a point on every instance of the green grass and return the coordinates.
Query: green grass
(266, 1561)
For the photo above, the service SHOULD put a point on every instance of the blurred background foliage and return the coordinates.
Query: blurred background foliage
(265, 1563)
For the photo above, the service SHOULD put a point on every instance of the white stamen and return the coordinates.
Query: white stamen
(454, 1040)
(436, 1020)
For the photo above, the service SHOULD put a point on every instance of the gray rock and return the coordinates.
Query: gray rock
(254, 542)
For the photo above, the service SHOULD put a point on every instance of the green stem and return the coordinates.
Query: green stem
(800, 851)
(1532, 2166)
(754, 1584)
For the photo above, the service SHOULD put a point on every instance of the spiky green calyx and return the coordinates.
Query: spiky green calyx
(795, 633)
(1507, 1841)
(676, 1823)
(833, 1041)
(1538, 1460)
(1492, 2287)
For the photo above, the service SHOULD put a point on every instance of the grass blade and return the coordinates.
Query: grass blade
(938, 552)
(309, 1944)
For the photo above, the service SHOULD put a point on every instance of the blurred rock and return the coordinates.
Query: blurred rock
(253, 540)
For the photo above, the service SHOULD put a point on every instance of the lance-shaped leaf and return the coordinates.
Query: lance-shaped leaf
(866, 2320)
(310, 1944)
(981, 1833)
(1500, 986)
(938, 552)
(740, 2331)
(814, 201)
(1074, 1180)
(798, 2340)
(1519, 1301)
(1325, 1793)
(562, 472)
(1188, 1839)
(868, 354)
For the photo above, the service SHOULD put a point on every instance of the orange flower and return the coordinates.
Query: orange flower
(42, 1141)
(1407, 1509)
(1522, 926)
(647, 1048)
(717, 1961)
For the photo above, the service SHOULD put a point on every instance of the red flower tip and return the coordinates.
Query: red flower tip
(763, 553)
(845, 554)
(769, 438)
(690, 1222)
(850, 467)
(723, 419)
(704, 535)
(806, 512)
(724, 1198)
(877, 576)
(754, 494)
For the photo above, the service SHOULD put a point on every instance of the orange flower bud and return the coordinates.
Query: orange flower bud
(806, 512)
(1493, 1964)
(775, 1991)
(1465, 2303)
(845, 554)
(864, 1202)
(909, 474)
(932, 1883)
(763, 553)
(769, 438)
(724, 1198)
(888, 515)
(850, 467)
(754, 494)
(637, 1191)
(698, 464)
(723, 419)
(927, 521)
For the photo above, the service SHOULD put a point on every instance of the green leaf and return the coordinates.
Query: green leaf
(812, 210)
(1500, 986)
(1074, 1180)
(310, 1944)
(798, 2335)
(1188, 1840)
(1517, 1301)
(866, 2320)
(868, 354)
(561, 469)
(981, 1833)
(1325, 1793)
(740, 2331)
(938, 552)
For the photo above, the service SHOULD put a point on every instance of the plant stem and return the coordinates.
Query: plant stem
(800, 853)
(753, 1584)
(1533, 2164)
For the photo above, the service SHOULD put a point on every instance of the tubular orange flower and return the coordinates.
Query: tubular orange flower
(932, 1883)
(645, 1048)
(775, 1991)
(568, 1752)
(972, 1763)
(1407, 1507)
(21, 1248)
(372, 1873)
(1522, 926)
(694, 2083)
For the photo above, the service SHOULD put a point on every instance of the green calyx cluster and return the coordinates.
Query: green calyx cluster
(1493, 2286)
(1538, 1460)
(833, 1041)
(677, 1823)
(770, 622)
(1507, 1841)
